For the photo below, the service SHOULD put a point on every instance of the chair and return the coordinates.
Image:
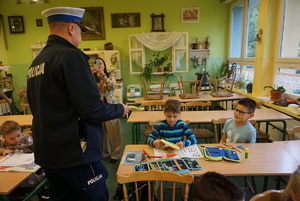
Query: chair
(5, 108)
(226, 84)
(291, 132)
(196, 87)
(269, 195)
(159, 95)
(153, 105)
(28, 193)
(25, 108)
(150, 177)
(261, 136)
(199, 132)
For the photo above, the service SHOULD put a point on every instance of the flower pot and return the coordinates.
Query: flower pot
(275, 95)
(159, 69)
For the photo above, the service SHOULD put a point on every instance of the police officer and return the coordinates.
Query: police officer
(66, 107)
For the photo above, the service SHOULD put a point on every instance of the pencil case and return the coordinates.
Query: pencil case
(217, 154)
(179, 166)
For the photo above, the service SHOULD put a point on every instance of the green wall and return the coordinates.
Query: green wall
(213, 22)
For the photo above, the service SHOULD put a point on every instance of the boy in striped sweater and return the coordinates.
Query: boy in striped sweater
(172, 129)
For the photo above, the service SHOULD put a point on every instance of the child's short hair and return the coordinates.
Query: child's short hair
(172, 106)
(292, 186)
(8, 127)
(213, 186)
(248, 103)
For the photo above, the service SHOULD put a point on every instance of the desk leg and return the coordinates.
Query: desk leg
(134, 133)
(266, 179)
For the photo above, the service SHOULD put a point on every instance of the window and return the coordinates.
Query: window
(243, 29)
(287, 63)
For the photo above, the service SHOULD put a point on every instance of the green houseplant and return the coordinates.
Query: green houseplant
(276, 93)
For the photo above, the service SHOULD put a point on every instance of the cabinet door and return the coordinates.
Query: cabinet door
(112, 59)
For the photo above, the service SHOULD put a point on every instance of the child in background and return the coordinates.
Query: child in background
(213, 186)
(292, 190)
(13, 140)
(172, 129)
(239, 129)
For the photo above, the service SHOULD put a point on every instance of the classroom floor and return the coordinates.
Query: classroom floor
(126, 139)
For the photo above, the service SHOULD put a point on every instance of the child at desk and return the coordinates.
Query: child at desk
(239, 129)
(13, 140)
(172, 129)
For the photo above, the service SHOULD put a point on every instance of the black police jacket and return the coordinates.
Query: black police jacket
(65, 102)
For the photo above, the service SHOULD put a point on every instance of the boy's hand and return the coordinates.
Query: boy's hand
(158, 144)
(180, 144)
(7, 151)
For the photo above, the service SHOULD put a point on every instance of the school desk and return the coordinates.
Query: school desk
(11, 180)
(23, 120)
(197, 117)
(204, 97)
(265, 159)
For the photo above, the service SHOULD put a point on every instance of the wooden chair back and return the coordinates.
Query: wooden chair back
(195, 88)
(151, 177)
(159, 94)
(226, 84)
(153, 105)
(25, 108)
(195, 106)
(5, 107)
(291, 132)
(218, 127)
(269, 195)
(261, 136)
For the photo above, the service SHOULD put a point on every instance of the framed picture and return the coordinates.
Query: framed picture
(124, 20)
(94, 18)
(16, 24)
(190, 15)
(157, 23)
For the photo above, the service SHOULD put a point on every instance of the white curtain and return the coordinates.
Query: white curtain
(158, 41)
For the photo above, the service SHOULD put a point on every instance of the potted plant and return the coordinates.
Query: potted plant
(276, 93)
(159, 61)
(147, 71)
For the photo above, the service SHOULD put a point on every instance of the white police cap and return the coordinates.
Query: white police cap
(65, 14)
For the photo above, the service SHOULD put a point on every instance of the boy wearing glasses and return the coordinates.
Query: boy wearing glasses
(239, 129)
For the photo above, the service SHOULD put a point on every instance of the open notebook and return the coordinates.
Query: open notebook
(19, 163)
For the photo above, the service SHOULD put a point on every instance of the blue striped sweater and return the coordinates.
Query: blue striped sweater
(172, 134)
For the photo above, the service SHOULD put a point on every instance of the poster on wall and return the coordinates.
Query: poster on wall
(190, 15)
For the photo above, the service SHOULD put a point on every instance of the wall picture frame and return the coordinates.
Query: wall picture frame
(190, 15)
(125, 20)
(16, 24)
(93, 18)
(158, 23)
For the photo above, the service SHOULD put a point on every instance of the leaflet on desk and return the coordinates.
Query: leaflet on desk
(192, 151)
(19, 163)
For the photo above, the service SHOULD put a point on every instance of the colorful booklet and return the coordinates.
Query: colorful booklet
(192, 151)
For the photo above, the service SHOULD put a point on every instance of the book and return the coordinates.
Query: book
(192, 151)
(18, 163)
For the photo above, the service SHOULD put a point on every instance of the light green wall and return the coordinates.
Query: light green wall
(213, 22)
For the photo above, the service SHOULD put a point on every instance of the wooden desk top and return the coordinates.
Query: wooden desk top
(265, 159)
(204, 97)
(11, 180)
(23, 120)
(205, 116)
(292, 147)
